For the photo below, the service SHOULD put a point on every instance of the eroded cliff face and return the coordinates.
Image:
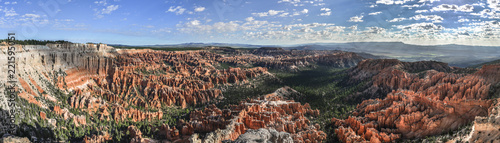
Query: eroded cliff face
(273, 111)
(87, 83)
(37, 66)
(430, 102)
(292, 59)
(486, 128)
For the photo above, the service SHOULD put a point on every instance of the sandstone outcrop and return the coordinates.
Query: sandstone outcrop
(118, 85)
(66, 115)
(180, 84)
(264, 135)
(272, 111)
(14, 139)
(370, 67)
(486, 129)
(419, 105)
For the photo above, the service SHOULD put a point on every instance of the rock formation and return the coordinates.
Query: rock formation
(264, 135)
(268, 113)
(14, 139)
(486, 129)
(278, 58)
(117, 85)
(420, 104)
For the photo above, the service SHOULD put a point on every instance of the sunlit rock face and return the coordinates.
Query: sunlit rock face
(273, 114)
(487, 128)
(430, 102)
(108, 84)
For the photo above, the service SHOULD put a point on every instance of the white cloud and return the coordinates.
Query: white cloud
(268, 13)
(386, 2)
(274, 12)
(494, 5)
(199, 9)
(463, 20)
(31, 15)
(284, 14)
(452, 7)
(161, 30)
(356, 19)
(260, 14)
(397, 19)
(412, 6)
(327, 11)
(433, 18)
(374, 30)
(303, 3)
(336, 28)
(109, 9)
(401, 1)
(177, 10)
(305, 11)
(196, 27)
(479, 4)
(431, 1)
(10, 12)
(390, 2)
(309, 26)
(375, 13)
(101, 3)
(421, 26)
(487, 13)
(354, 27)
(305, 30)
(194, 23)
(290, 1)
(421, 11)
(249, 19)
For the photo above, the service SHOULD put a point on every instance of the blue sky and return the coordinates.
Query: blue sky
(427, 22)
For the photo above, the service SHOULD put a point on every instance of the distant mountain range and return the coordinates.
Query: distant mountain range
(455, 55)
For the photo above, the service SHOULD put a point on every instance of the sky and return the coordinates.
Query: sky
(266, 22)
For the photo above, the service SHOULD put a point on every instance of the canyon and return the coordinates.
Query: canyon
(416, 104)
(100, 93)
